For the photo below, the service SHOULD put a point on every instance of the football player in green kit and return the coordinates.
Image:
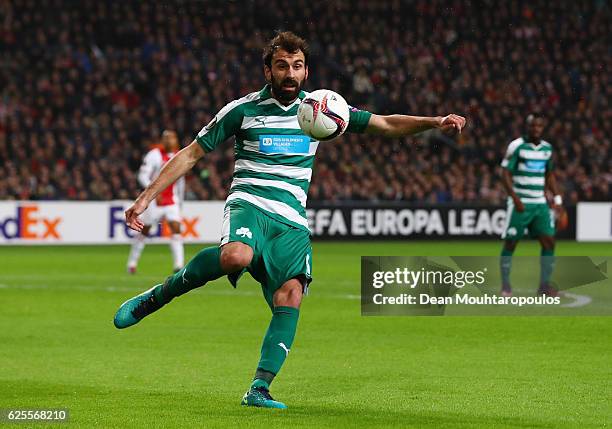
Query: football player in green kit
(527, 172)
(265, 230)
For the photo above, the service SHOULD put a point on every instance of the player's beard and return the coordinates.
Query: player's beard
(283, 95)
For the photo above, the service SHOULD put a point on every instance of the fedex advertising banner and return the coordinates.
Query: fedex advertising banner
(93, 222)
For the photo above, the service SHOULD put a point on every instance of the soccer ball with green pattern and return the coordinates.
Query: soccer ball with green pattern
(323, 114)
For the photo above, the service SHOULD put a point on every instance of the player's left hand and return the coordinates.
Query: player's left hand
(561, 218)
(452, 124)
(131, 215)
(559, 210)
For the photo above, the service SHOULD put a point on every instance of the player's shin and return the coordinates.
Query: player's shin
(547, 265)
(505, 265)
(178, 253)
(138, 245)
(203, 267)
(276, 344)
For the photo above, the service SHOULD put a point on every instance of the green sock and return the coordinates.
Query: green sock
(276, 344)
(505, 264)
(547, 264)
(260, 382)
(204, 267)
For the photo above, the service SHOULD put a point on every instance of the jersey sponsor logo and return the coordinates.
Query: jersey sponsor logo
(244, 232)
(289, 144)
(531, 154)
(534, 166)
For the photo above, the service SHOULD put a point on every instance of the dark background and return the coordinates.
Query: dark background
(87, 87)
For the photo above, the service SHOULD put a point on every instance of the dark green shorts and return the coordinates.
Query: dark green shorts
(280, 251)
(537, 219)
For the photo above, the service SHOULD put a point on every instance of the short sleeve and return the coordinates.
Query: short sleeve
(550, 165)
(358, 120)
(151, 163)
(225, 124)
(152, 159)
(510, 159)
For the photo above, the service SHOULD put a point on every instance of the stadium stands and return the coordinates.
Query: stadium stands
(87, 86)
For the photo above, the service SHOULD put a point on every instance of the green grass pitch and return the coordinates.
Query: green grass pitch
(189, 364)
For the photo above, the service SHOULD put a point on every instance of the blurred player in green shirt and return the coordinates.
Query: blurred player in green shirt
(527, 172)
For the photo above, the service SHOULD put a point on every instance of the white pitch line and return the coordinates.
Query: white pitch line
(579, 300)
(208, 291)
(115, 277)
(118, 278)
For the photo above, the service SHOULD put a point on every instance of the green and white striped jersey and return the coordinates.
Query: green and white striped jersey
(528, 163)
(273, 157)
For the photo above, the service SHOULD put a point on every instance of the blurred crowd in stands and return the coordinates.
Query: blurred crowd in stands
(87, 86)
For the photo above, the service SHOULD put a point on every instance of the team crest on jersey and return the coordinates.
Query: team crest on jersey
(244, 232)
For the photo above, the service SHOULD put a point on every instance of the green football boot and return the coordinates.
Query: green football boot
(260, 397)
(135, 309)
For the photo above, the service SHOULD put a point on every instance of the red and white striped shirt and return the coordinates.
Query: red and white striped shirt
(152, 164)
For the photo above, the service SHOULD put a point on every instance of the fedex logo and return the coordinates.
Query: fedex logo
(117, 220)
(29, 225)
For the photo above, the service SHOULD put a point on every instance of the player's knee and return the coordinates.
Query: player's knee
(510, 245)
(234, 258)
(548, 244)
(289, 295)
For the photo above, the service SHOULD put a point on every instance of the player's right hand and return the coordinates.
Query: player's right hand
(518, 204)
(452, 124)
(131, 215)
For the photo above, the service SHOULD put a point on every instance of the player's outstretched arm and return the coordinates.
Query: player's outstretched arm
(176, 167)
(403, 125)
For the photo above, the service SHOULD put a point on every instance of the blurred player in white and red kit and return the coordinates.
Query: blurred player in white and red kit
(165, 207)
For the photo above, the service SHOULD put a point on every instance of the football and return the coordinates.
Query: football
(323, 114)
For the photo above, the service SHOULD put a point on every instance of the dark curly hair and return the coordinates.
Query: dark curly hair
(287, 41)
